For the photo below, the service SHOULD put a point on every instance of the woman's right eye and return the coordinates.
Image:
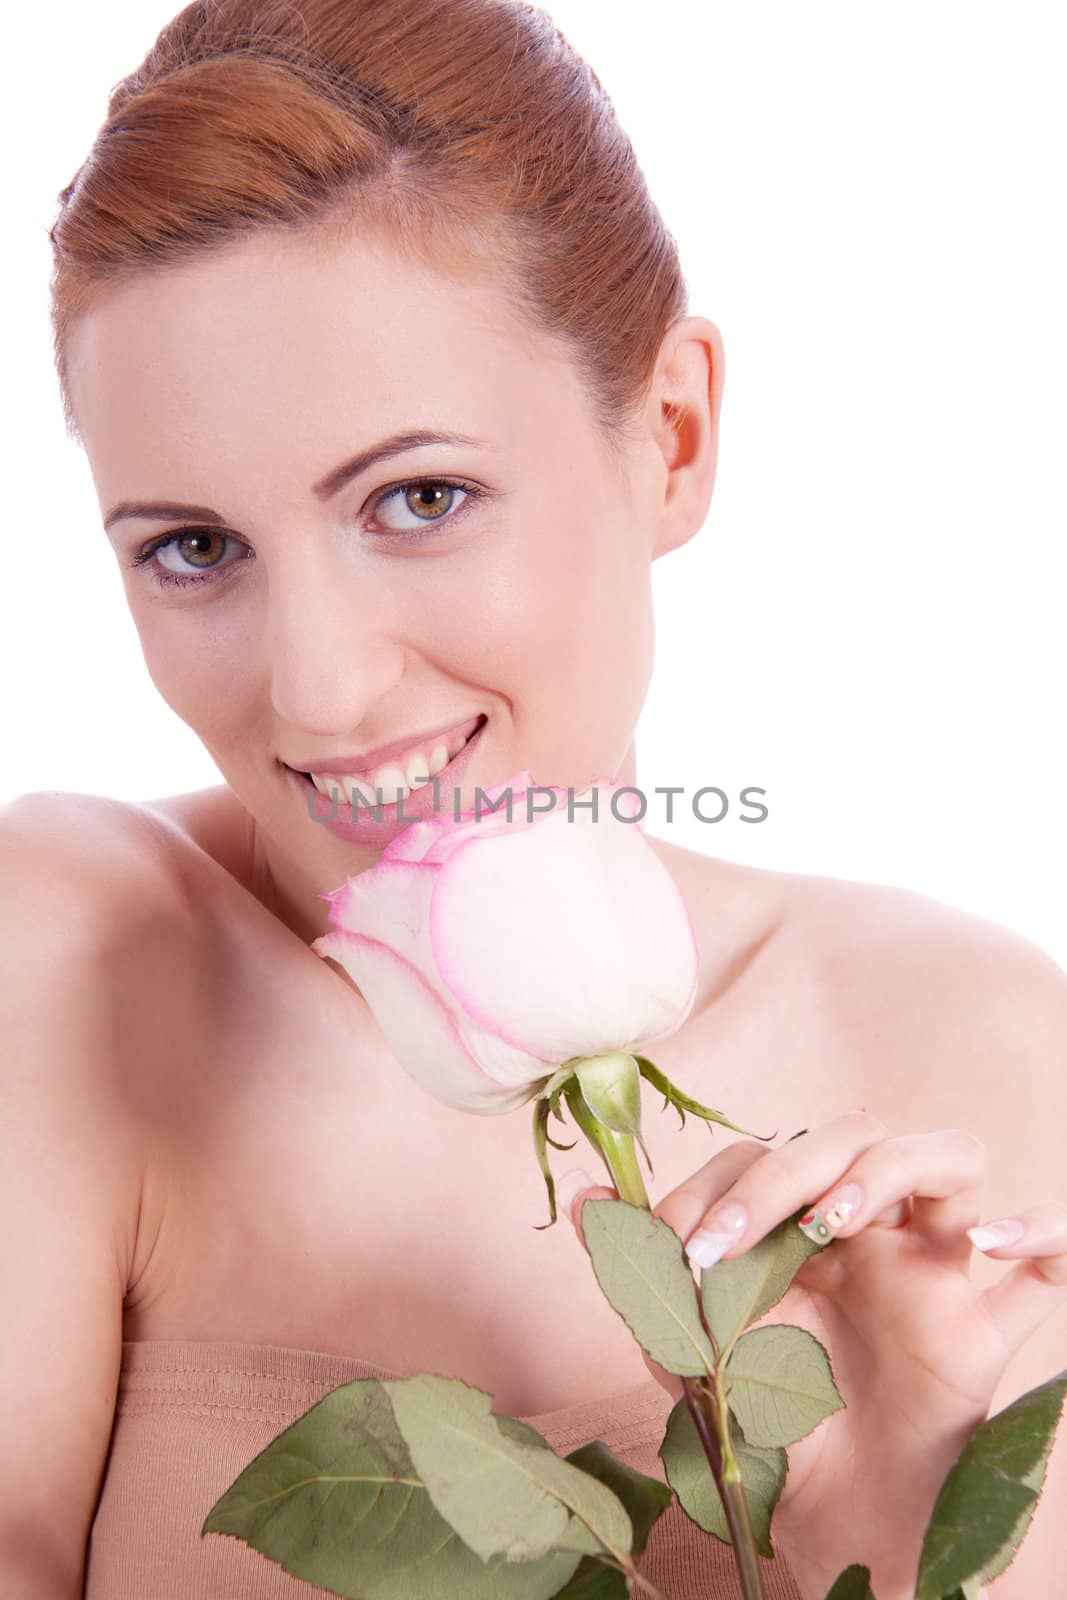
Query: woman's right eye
(199, 547)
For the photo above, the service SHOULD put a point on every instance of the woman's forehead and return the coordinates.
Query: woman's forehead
(239, 380)
(276, 343)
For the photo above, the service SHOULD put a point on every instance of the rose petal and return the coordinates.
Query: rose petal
(389, 904)
(417, 1027)
(412, 844)
(564, 942)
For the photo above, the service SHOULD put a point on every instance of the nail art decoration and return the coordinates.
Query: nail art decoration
(815, 1225)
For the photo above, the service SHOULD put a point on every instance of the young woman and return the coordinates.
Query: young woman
(381, 358)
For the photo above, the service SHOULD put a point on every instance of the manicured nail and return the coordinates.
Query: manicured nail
(721, 1230)
(815, 1225)
(1006, 1230)
(842, 1205)
(569, 1186)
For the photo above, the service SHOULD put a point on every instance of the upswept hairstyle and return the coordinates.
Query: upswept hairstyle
(470, 130)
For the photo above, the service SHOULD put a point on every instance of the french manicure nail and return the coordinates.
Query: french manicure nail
(1006, 1230)
(722, 1229)
(570, 1185)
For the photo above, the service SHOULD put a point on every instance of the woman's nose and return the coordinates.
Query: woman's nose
(331, 651)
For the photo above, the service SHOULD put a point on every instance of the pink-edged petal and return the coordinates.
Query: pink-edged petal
(418, 1028)
(389, 903)
(566, 939)
(412, 844)
(490, 822)
(497, 821)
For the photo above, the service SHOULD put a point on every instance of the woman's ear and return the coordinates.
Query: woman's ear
(684, 406)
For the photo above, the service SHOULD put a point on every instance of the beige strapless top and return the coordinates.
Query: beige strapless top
(191, 1414)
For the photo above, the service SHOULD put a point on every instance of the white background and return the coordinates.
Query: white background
(868, 201)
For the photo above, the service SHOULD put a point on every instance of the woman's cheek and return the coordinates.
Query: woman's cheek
(209, 677)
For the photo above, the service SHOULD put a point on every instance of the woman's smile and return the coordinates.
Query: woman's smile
(360, 820)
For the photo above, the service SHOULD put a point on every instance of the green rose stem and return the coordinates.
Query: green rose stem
(616, 1149)
(712, 1422)
(607, 1083)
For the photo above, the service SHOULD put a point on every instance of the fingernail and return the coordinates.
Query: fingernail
(841, 1206)
(1006, 1230)
(569, 1186)
(815, 1225)
(722, 1229)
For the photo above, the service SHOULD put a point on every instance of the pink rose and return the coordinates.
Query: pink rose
(491, 952)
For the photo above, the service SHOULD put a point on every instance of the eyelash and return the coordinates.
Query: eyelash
(164, 578)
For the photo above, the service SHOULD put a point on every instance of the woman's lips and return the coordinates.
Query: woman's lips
(360, 825)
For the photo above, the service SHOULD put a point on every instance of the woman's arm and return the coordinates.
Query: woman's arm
(68, 1199)
(1012, 1076)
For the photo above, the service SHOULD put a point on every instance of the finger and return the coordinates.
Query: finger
(763, 1186)
(684, 1206)
(1023, 1298)
(934, 1180)
(573, 1190)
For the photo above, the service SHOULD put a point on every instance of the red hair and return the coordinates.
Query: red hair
(470, 129)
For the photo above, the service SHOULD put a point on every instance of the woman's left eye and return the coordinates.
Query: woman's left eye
(428, 500)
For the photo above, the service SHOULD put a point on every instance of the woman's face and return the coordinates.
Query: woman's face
(307, 622)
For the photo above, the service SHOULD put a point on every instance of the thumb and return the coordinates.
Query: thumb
(574, 1189)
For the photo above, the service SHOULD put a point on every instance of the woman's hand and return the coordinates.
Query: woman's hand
(917, 1348)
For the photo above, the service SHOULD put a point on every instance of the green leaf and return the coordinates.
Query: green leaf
(645, 1499)
(780, 1384)
(853, 1584)
(643, 1270)
(502, 1496)
(763, 1473)
(987, 1499)
(595, 1581)
(334, 1499)
(738, 1292)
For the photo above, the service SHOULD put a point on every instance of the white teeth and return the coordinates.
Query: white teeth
(416, 774)
(394, 781)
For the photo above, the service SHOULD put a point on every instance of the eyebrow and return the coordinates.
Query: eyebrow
(324, 489)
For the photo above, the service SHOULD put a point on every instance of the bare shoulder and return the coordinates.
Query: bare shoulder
(933, 1011)
(959, 999)
(99, 894)
(111, 857)
(78, 855)
(930, 1016)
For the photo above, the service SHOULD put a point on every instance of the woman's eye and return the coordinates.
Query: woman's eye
(190, 556)
(426, 501)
